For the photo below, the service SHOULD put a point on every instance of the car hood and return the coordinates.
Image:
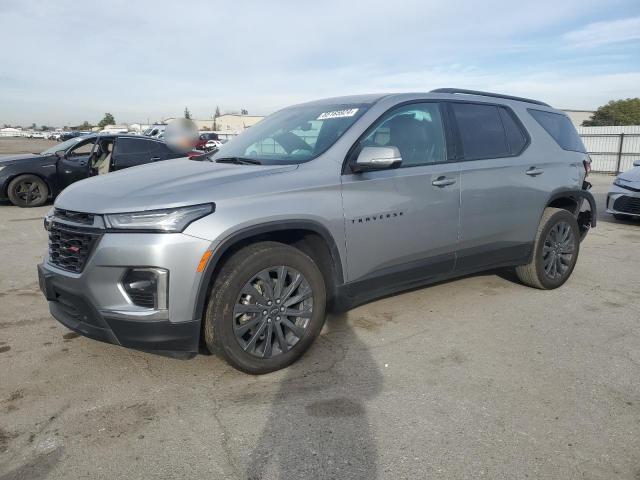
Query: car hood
(25, 157)
(632, 176)
(167, 184)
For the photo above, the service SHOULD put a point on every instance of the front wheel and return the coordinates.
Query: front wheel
(555, 251)
(28, 191)
(266, 308)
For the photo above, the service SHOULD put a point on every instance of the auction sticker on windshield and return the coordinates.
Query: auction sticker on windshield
(349, 112)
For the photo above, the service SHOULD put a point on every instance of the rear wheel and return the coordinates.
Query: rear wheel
(555, 251)
(266, 308)
(28, 191)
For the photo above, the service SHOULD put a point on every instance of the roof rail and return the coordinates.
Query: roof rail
(488, 94)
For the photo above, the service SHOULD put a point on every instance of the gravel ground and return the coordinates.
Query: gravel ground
(474, 378)
(10, 145)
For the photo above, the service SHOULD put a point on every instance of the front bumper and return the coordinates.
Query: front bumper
(94, 304)
(621, 201)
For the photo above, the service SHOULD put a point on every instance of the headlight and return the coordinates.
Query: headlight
(166, 220)
(619, 183)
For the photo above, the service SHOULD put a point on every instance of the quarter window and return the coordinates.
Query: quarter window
(415, 129)
(516, 138)
(560, 128)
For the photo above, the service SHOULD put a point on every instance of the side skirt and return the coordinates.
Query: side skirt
(353, 294)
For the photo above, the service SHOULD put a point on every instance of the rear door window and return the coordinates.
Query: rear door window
(131, 151)
(560, 128)
(481, 131)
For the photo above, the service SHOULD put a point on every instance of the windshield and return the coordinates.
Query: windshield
(293, 135)
(63, 146)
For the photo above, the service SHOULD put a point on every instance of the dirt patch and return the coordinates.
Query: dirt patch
(70, 336)
(5, 348)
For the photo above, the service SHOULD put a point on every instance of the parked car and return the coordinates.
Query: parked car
(30, 180)
(623, 200)
(155, 130)
(213, 145)
(389, 192)
(69, 135)
(204, 138)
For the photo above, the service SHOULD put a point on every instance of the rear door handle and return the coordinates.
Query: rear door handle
(155, 159)
(534, 172)
(443, 182)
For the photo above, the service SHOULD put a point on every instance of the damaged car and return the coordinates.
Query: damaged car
(30, 180)
(323, 205)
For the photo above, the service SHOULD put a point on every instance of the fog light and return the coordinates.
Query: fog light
(147, 287)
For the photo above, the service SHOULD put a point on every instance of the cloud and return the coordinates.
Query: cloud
(149, 59)
(604, 33)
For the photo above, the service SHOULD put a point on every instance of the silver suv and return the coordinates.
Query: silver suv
(327, 204)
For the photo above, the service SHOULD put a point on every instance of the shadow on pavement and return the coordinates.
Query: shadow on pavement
(318, 425)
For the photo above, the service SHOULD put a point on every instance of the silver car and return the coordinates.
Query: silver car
(327, 204)
(623, 200)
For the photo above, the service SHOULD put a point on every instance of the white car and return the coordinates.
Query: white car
(213, 144)
(623, 200)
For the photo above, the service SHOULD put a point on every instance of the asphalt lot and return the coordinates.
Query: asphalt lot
(474, 378)
(11, 145)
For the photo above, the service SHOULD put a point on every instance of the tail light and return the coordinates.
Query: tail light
(587, 166)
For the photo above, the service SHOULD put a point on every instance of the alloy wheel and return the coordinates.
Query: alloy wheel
(272, 312)
(28, 192)
(558, 250)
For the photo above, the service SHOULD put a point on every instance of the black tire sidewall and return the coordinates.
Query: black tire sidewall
(32, 178)
(560, 216)
(232, 281)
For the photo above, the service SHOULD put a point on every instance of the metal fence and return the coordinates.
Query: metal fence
(612, 149)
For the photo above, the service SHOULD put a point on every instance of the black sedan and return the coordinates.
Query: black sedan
(30, 180)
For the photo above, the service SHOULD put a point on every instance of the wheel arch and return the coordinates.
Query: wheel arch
(313, 238)
(572, 200)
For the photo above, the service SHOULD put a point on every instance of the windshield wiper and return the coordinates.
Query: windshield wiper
(238, 161)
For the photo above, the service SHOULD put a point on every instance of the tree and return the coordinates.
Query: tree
(616, 112)
(33, 126)
(187, 113)
(244, 111)
(107, 120)
(44, 128)
(215, 118)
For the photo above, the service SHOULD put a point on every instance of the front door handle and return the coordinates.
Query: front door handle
(82, 163)
(534, 172)
(443, 182)
(155, 159)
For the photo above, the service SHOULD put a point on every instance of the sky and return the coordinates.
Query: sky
(63, 62)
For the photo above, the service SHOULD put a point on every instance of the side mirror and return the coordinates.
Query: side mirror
(60, 154)
(636, 163)
(377, 158)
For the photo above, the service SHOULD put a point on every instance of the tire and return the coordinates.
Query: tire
(28, 191)
(225, 323)
(551, 265)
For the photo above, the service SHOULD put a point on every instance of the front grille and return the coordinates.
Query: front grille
(69, 249)
(76, 217)
(627, 205)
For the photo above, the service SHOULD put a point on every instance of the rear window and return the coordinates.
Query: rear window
(560, 128)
